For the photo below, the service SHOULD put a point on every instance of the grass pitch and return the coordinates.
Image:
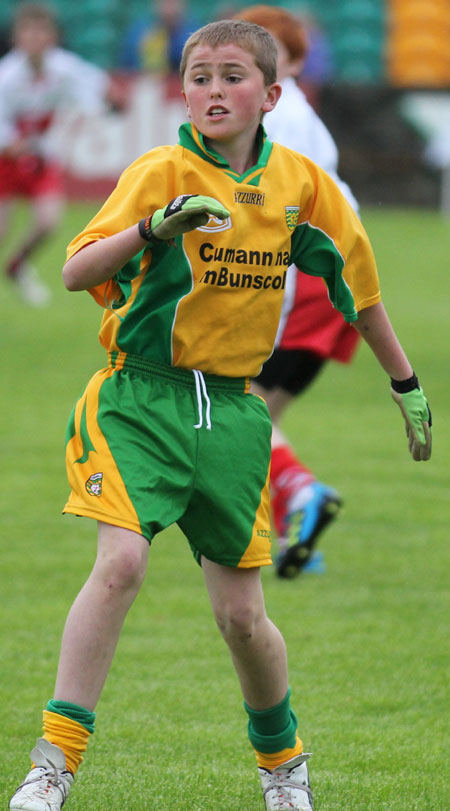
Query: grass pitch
(367, 640)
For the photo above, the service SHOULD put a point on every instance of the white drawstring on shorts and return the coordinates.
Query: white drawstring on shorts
(202, 391)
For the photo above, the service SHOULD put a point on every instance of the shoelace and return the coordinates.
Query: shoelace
(49, 778)
(200, 387)
(282, 784)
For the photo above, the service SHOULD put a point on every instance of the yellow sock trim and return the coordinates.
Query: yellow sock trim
(274, 759)
(69, 735)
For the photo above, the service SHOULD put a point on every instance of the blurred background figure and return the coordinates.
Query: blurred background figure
(37, 80)
(152, 47)
(154, 43)
(311, 332)
(318, 67)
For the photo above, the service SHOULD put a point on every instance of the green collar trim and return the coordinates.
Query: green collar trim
(192, 139)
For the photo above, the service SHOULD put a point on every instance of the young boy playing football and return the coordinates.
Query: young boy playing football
(188, 258)
(38, 80)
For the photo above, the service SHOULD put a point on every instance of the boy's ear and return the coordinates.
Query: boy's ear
(186, 103)
(273, 94)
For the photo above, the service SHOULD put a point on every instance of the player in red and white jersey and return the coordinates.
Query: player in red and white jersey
(311, 331)
(37, 81)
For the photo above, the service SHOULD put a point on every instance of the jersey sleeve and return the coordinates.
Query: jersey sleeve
(86, 84)
(91, 88)
(141, 189)
(330, 241)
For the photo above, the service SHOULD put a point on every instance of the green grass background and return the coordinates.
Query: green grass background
(368, 640)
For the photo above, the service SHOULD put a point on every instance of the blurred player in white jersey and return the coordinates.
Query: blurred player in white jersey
(38, 80)
(311, 331)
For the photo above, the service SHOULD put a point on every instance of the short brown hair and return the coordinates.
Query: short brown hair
(253, 38)
(36, 13)
(282, 24)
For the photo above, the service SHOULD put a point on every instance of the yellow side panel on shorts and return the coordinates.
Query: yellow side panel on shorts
(98, 490)
(258, 550)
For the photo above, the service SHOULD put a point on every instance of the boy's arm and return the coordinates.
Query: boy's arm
(374, 326)
(100, 260)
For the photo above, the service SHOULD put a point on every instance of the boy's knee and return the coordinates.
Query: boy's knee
(46, 225)
(123, 569)
(237, 622)
(47, 216)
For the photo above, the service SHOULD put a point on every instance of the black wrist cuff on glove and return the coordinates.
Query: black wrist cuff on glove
(145, 230)
(403, 386)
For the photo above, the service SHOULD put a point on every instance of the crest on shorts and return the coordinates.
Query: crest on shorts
(292, 213)
(94, 484)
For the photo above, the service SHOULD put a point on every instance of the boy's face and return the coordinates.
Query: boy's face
(225, 93)
(34, 37)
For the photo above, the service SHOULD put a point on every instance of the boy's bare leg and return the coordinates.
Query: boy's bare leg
(47, 212)
(95, 620)
(45, 215)
(302, 506)
(6, 207)
(277, 400)
(257, 647)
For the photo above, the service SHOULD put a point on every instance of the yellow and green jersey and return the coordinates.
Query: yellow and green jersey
(212, 300)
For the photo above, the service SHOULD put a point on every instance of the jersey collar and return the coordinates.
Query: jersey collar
(192, 139)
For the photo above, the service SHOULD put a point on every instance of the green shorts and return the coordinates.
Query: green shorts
(151, 445)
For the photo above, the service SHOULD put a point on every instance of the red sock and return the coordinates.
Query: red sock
(287, 475)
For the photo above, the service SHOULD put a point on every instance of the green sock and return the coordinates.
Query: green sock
(274, 729)
(73, 711)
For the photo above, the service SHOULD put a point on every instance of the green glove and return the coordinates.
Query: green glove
(417, 415)
(184, 213)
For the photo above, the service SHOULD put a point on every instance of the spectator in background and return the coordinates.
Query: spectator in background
(154, 45)
(311, 331)
(38, 80)
(318, 65)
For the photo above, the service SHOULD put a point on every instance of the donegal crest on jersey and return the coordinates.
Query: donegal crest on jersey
(291, 216)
